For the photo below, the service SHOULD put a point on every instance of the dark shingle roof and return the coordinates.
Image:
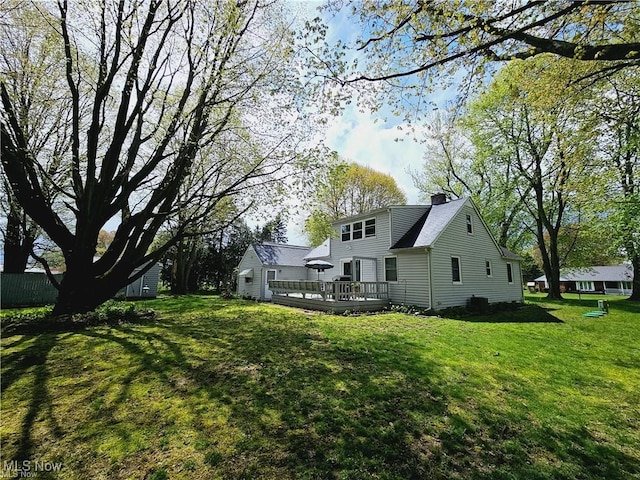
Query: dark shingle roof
(280, 254)
(429, 227)
(408, 240)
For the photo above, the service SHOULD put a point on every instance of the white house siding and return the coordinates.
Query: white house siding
(376, 247)
(250, 260)
(473, 250)
(412, 287)
(403, 218)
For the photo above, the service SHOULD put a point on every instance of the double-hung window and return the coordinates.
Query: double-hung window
(509, 273)
(357, 230)
(345, 230)
(370, 228)
(488, 268)
(390, 269)
(456, 271)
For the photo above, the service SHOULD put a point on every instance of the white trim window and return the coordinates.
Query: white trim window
(487, 266)
(469, 224)
(345, 232)
(509, 273)
(370, 228)
(456, 271)
(390, 269)
(358, 230)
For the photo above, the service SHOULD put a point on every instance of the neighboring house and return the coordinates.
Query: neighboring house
(607, 279)
(269, 261)
(433, 256)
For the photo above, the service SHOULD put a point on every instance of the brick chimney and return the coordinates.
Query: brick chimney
(438, 199)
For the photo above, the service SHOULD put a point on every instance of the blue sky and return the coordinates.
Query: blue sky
(377, 140)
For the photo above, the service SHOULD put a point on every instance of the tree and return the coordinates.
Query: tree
(425, 36)
(149, 85)
(541, 135)
(460, 165)
(274, 231)
(348, 189)
(617, 110)
(30, 67)
(226, 249)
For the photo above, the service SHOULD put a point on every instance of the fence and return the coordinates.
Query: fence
(26, 289)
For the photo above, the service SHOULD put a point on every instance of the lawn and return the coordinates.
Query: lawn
(231, 389)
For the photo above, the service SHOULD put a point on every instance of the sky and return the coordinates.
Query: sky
(376, 140)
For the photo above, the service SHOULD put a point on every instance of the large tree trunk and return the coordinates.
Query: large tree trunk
(186, 253)
(550, 260)
(18, 240)
(80, 292)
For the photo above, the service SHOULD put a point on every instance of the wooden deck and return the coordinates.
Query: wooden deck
(337, 297)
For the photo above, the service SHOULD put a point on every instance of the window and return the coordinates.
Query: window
(469, 225)
(370, 228)
(488, 268)
(509, 273)
(357, 230)
(456, 274)
(248, 280)
(586, 286)
(390, 269)
(346, 232)
(346, 268)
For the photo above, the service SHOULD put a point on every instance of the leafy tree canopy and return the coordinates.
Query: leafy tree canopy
(347, 189)
(412, 46)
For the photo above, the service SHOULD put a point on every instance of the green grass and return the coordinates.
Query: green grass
(230, 389)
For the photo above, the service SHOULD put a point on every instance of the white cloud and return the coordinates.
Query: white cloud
(356, 136)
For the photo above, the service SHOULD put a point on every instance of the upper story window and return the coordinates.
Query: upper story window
(345, 231)
(509, 273)
(358, 230)
(370, 228)
(469, 224)
(487, 266)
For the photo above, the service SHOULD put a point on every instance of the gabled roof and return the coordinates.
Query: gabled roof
(281, 254)
(602, 273)
(321, 251)
(508, 254)
(429, 227)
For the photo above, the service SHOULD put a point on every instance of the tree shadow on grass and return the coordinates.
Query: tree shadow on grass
(524, 314)
(312, 407)
(32, 361)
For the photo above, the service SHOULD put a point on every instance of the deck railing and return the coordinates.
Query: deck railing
(331, 291)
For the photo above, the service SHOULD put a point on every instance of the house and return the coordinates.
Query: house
(432, 256)
(263, 262)
(606, 279)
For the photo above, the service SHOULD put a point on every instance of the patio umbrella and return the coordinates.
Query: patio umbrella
(319, 265)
